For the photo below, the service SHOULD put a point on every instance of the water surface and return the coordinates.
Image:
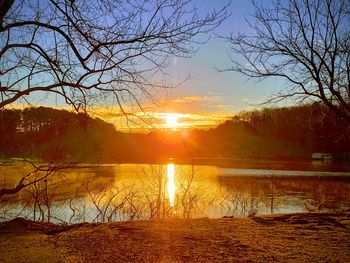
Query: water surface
(143, 191)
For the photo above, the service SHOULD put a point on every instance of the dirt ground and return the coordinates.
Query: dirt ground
(283, 238)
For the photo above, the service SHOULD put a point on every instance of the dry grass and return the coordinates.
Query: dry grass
(284, 238)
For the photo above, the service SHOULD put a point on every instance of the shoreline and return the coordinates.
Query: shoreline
(303, 164)
(297, 237)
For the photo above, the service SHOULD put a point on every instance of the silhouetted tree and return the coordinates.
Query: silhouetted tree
(59, 135)
(304, 42)
(95, 51)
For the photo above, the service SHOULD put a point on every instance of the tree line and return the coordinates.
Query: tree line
(277, 133)
(50, 134)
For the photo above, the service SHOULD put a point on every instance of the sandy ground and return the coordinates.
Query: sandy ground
(284, 238)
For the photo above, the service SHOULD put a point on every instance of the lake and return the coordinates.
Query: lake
(142, 191)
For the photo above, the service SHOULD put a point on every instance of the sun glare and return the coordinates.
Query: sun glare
(171, 120)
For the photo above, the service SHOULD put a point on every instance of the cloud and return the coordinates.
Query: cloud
(189, 99)
(225, 107)
(145, 121)
(253, 100)
(206, 103)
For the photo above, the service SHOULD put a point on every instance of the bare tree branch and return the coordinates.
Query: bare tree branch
(43, 171)
(88, 51)
(304, 42)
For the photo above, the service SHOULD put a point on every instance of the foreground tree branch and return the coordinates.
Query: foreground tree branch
(93, 52)
(39, 173)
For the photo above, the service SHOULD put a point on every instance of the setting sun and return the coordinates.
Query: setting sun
(171, 120)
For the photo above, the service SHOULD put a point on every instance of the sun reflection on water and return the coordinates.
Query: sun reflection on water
(171, 183)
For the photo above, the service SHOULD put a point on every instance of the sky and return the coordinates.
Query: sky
(211, 96)
(208, 97)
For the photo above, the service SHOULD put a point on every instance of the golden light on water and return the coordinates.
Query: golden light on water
(171, 183)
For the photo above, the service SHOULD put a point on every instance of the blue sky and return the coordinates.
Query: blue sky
(208, 93)
(227, 92)
(209, 96)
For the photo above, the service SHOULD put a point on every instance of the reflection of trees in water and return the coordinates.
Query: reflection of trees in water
(43, 194)
(101, 197)
(189, 197)
(36, 201)
(326, 191)
(108, 203)
(75, 198)
(48, 192)
(144, 198)
(238, 200)
(192, 195)
(153, 191)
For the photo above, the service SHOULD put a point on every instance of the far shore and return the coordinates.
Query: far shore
(299, 237)
(306, 164)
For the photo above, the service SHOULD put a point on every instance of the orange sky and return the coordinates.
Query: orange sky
(196, 111)
(148, 120)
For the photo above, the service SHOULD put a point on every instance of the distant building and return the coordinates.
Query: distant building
(326, 157)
